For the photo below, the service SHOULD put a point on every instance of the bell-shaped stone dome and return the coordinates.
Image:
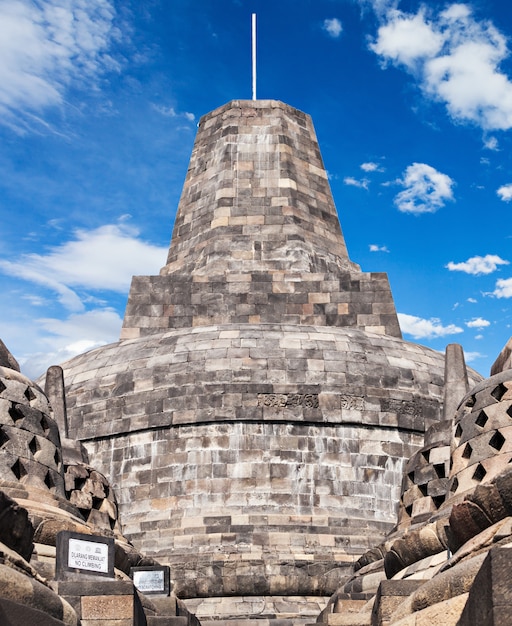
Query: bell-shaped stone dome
(257, 412)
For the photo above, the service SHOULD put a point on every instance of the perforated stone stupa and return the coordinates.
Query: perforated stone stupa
(257, 412)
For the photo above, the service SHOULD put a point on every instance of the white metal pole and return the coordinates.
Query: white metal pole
(254, 56)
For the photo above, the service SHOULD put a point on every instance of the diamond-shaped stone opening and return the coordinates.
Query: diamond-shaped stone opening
(440, 470)
(479, 473)
(96, 503)
(29, 394)
(2, 387)
(408, 510)
(471, 401)
(44, 425)
(498, 392)
(34, 445)
(15, 413)
(454, 485)
(79, 483)
(482, 419)
(509, 411)
(4, 437)
(426, 455)
(423, 488)
(438, 500)
(410, 475)
(56, 458)
(84, 513)
(18, 469)
(48, 481)
(458, 431)
(466, 454)
(497, 441)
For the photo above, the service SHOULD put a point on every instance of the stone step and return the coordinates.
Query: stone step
(167, 620)
(165, 605)
(257, 622)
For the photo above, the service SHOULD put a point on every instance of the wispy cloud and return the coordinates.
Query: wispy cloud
(375, 248)
(101, 259)
(470, 357)
(370, 166)
(57, 340)
(478, 265)
(47, 46)
(478, 322)
(425, 189)
(333, 27)
(491, 143)
(354, 182)
(454, 57)
(169, 111)
(420, 328)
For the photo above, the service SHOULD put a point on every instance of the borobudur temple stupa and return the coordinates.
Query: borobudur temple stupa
(257, 412)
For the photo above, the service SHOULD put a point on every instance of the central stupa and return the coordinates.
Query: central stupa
(257, 411)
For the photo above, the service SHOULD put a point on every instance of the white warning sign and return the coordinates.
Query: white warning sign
(88, 555)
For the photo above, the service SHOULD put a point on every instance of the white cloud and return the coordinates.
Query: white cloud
(375, 248)
(420, 328)
(426, 189)
(472, 300)
(469, 357)
(478, 265)
(166, 111)
(503, 288)
(333, 27)
(478, 322)
(47, 46)
(353, 182)
(101, 259)
(505, 192)
(59, 340)
(407, 39)
(371, 167)
(491, 143)
(455, 59)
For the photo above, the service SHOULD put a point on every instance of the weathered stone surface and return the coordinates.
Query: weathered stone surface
(490, 599)
(22, 589)
(15, 614)
(390, 594)
(256, 415)
(446, 613)
(6, 358)
(504, 360)
(16, 530)
(54, 389)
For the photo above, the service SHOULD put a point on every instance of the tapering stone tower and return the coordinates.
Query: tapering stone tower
(257, 238)
(256, 414)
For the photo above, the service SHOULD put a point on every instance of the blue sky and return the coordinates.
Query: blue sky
(99, 103)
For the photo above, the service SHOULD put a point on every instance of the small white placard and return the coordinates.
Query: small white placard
(149, 580)
(88, 555)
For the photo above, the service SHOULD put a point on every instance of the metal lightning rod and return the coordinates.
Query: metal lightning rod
(254, 56)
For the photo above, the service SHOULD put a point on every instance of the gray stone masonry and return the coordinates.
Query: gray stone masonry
(257, 238)
(256, 415)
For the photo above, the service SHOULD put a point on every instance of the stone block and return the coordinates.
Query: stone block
(390, 594)
(490, 597)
